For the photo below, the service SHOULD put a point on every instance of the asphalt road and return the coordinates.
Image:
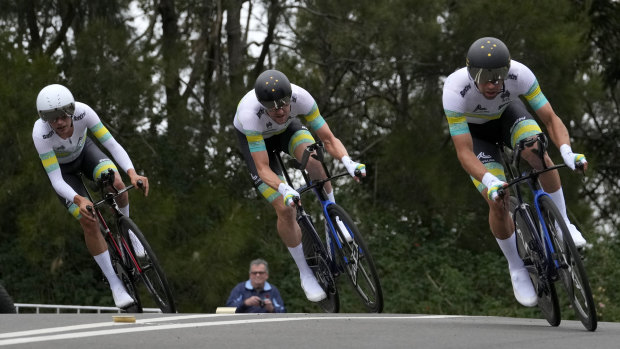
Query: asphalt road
(316, 331)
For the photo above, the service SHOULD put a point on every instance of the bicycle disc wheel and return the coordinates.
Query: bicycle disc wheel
(316, 258)
(534, 259)
(570, 268)
(355, 259)
(149, 269)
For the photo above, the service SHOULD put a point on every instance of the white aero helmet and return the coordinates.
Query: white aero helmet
(55, 101)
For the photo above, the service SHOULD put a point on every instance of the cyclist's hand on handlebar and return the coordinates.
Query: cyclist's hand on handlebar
(139, 181)
(288, 194)
(493, 185)
(86, 207)
(573, 160)
(355, 169)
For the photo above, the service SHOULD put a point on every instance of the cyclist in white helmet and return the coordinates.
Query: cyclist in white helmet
(266, 120)
(483, 107)
(60, 137)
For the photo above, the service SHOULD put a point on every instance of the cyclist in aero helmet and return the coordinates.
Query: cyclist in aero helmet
(483, 107)
(488, 59)
(65, 150)
(273, 90)
(268, 119)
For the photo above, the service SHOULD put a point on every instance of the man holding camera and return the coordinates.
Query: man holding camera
(256, 295)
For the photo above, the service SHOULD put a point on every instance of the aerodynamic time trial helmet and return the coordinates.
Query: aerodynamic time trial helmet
(488, 59)
(55, 101)
(272, 89)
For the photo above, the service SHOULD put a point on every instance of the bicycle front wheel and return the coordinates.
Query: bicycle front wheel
(570, 268)
(355, 259)
(535, 261)
(148, 268)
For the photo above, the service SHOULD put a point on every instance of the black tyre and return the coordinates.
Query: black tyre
(316, 257)
(353, 257)
(148, 269)
(570, 268)
(535, 261)
(6, 302)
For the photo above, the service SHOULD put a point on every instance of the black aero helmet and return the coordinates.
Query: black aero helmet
(273, 90)
(488, 59)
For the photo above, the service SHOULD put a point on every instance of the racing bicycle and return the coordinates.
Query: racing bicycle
(544, 241)
(343, 250)
(132, 268)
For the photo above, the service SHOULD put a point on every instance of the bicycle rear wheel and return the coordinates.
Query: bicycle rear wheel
(534, 259)
(148, 268)
(355, 259)
(316, 257)
(570, 268)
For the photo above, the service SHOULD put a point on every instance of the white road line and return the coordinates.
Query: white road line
(104, 324)
(126, 329)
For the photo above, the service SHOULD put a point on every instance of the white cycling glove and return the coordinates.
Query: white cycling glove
(288, 194)
(572, 159)
(493, 184)
(351, 166)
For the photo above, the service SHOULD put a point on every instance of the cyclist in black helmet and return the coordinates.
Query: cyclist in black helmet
(482, 105)
(266, 119)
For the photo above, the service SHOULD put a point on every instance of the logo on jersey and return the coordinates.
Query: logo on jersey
(464, 91)
(512, 77)
(294, 99)
(269, 124)
(484, 158)
(49, 135)
(79, 117)
(505, 96)
(479, 108)
(260, 113)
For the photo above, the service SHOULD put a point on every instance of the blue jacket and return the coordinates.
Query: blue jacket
(244, 290)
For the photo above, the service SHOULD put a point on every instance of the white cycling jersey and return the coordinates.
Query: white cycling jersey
(463, 103)
(252, 119)
(53, 150)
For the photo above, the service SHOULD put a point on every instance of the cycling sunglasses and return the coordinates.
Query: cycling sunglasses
(56, 113)
(494, 75)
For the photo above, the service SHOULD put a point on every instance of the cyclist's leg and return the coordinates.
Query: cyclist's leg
(287, 226)
(484, 139)
(522, 125)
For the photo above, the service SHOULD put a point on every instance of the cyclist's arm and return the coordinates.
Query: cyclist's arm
(555, 127)
(333, 145)
(464, 146)
(261, 160)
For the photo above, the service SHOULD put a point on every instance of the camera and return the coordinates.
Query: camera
(262, 303)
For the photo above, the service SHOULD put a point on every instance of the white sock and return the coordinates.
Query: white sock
(104, 262)
(125, 210)
(298, 256)
(509, 248)
(331, 196)
(558, 200)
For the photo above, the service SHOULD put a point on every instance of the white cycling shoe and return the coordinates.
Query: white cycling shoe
(523, 288)
(312, 289)
(578, 239)
(137, 245)
(122, 299)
